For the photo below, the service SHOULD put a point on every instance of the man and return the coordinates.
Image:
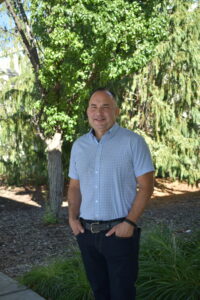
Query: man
(107, 164)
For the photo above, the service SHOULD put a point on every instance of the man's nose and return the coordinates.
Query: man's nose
(99, 110)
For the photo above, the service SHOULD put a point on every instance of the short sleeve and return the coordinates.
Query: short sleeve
(141, 157)
(72, 165)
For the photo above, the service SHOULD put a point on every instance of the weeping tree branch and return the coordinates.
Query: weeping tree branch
(32, 51)
(7, 31)
(26, 35)
(16, 10)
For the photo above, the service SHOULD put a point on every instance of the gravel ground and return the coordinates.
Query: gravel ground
(25, 241)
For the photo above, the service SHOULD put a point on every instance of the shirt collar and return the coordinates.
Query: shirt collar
(113, 129)
(108, 134)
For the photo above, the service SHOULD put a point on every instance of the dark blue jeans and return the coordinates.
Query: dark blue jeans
(111, 264)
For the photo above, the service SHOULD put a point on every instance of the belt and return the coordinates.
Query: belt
(97, 226)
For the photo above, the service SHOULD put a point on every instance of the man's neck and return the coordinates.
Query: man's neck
(99, 133)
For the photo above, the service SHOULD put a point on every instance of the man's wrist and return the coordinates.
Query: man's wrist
(130, 222)
(73, 219)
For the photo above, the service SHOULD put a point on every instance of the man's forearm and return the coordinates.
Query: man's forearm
(74, 209)
(142, 197)
(74, 201)
(140, 203)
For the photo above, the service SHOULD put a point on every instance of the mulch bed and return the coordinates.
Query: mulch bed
(25, 241)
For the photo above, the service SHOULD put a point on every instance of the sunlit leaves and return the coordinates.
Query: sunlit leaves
(164, 100)
(116, 36)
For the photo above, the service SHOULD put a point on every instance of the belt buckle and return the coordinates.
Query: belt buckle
(93, 229)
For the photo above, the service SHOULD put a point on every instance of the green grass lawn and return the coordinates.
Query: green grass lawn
(169, 269)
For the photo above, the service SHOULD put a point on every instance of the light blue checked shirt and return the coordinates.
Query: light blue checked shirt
(107, 170)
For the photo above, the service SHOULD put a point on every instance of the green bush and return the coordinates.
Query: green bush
(64, 279)
(169, 266)
(169, 269)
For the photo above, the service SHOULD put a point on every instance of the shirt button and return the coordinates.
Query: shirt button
(96, 172)
(96, 201)
(96, 186)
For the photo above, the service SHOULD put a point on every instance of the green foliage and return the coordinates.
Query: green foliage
(162, 102)
(102, 39)
(89, 43)
(21, 151)
(168, 270)
(169, 266)
(54, 118)
(61, 280)
(81, 45)
(85, 44)
(49, 217)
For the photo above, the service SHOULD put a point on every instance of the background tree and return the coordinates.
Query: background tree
(74, 46)
(163, 99)
(21, 151)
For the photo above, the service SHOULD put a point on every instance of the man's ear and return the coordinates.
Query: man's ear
(87, 111)
(117, 111)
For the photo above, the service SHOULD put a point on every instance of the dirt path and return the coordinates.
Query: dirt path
(25, 241)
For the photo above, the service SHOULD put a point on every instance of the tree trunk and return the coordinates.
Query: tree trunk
(55, 173)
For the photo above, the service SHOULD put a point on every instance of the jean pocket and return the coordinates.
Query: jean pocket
(123, 238)
(77, 235)
(135, 235)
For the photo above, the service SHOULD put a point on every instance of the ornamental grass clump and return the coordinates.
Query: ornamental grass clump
(63, 279)
(169, 270)
(169, 266)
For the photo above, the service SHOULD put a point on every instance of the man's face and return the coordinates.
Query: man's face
(102, 111)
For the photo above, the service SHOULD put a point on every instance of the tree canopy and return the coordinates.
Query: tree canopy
(163, 100)
(86, 44)
(75, 46)
(150, 49)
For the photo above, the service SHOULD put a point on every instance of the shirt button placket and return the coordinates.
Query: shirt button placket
(97, 180)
